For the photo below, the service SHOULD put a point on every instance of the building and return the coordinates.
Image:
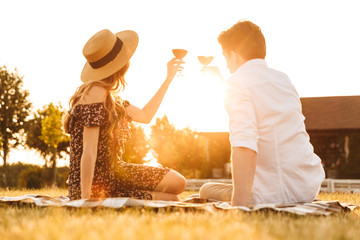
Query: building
(333, 124)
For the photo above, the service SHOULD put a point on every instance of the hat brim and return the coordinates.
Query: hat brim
(130, 41)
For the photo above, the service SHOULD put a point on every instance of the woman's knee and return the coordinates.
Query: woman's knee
(177, 182)
(181, 184)
(173, 182)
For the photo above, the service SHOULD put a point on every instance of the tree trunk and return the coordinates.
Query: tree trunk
(53, 167)
(4, 173)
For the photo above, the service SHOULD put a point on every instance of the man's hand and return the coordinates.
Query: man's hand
(243, 171)
(213, 70)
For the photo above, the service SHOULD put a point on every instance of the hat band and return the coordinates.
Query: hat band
(110, 56)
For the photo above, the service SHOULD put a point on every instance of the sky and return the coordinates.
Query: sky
(316, 43)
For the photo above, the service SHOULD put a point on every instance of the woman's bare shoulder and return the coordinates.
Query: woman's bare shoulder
(94, 95)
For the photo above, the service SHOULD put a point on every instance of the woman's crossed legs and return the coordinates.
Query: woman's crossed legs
(161, 183)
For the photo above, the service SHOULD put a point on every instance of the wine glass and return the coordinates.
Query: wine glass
(205, 60)
(179, 54)
(213, 70)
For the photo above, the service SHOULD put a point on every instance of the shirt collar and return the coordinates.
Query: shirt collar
(251, 62)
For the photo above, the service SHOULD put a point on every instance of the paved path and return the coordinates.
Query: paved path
(329, 185)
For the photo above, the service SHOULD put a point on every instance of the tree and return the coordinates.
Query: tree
(163, 138)
(137, 146)
(45, 134)
(22, 175)
(13, 173)
(192, 161)
(14, 109)
(179, 149)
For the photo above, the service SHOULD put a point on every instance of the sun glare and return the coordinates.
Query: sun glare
(196, 100)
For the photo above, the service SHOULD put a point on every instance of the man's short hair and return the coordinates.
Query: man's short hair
(244, 38)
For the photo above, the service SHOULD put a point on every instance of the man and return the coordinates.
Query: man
(273, 160)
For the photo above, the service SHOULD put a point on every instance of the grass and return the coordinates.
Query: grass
(60, 223)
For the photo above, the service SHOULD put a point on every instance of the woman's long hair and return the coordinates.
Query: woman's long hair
(113, 85)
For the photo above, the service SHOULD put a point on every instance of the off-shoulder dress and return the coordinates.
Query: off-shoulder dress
(112, 176)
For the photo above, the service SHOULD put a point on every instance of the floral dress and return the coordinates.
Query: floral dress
(112, 176)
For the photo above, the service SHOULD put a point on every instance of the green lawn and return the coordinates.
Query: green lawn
(60, 223)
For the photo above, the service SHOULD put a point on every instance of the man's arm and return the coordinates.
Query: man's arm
(243, 171)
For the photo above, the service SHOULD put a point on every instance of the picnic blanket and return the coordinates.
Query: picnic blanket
(320, 208)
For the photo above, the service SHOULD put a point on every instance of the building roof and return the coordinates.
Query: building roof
(328, 113)
(214, 134)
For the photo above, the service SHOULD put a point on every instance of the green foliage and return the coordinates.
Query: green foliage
(62, 174)
(51, 127)
(44, 132)
(182, 150)
(14, 109)
(219, 149)
(32, 176)
(193, 156)
(137, 146)
(13, 172)
(163, 139)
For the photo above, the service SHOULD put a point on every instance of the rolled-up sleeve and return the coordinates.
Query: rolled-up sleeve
(242, 118)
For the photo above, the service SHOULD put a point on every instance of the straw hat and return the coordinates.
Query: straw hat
(106, 53)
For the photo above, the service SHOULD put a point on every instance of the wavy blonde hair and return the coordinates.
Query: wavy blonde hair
(113, 85)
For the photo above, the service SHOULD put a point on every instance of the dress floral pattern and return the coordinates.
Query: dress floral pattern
(112, 176)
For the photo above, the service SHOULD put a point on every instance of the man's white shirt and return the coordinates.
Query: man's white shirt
(265, 115)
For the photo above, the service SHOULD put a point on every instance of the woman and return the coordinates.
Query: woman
(98, 122)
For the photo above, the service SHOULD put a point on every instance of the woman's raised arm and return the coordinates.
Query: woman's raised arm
(146, 114)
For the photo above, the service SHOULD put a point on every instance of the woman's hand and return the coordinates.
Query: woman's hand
(173, 66)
